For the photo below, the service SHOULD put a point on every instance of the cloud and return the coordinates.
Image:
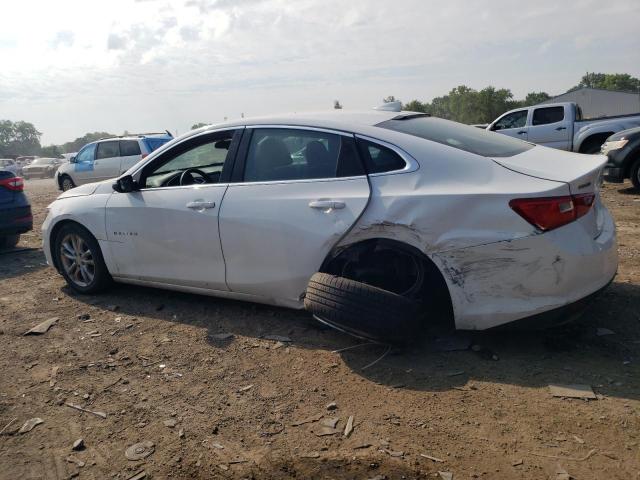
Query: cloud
(64, 38)
(116, 42)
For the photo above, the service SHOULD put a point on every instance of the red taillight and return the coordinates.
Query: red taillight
(16, 184)
(552, 212)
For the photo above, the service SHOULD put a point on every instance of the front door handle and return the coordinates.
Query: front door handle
(199, 205)
(522, 132)
(327, 204)
(561, 128)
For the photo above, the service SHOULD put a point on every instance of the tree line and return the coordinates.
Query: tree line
(462, 104)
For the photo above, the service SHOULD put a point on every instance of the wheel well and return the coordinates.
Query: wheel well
(632, 158)
(54, 233)
(591, 141)
(61, 178)
(388, 260)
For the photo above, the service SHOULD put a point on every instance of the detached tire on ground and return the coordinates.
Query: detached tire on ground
(361, 309)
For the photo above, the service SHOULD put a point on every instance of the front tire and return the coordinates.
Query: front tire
(67, 183)
(634, 174)
(80, 260)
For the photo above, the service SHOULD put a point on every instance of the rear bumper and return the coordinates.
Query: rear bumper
(501, 282)
(15, 220)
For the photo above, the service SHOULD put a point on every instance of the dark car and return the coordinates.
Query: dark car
(42, 167)
(15, 210)
(623, 152)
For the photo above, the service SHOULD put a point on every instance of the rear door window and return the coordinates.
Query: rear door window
(379, 159)
(543, 116)
(107, 150)
(456, 135)
(129, 148)
(277, 154)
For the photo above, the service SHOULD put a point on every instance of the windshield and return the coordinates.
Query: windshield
(460, 136)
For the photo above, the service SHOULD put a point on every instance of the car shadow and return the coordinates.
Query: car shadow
(15, 262)
(629, 191)
(577, 353)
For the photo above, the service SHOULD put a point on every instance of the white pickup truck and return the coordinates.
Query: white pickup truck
(560, 125)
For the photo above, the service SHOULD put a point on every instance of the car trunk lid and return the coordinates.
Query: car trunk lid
(583, 174)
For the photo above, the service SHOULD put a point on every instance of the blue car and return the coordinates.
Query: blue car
(15, 210)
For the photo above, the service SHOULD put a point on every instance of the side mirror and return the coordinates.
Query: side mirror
(494, 127)
(72, 159)
(125, 184)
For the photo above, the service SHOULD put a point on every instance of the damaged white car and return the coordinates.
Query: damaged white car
(377, 222)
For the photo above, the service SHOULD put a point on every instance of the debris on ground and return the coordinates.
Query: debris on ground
(82, 409)
(601, 332)
(77, 461)
(562, 474)
(446, 475)
(433, 459)
(312, 419)
(571, 459)
(515, 463)
(572, 391)
(42, 327)
(138, 476)
(245, 389)
(328, 427)
(30, 424)
(393, 453)
(578, 439)
(348, 429)
(332, 406)
(278, 338)
(52, 377)
(310, 455)
(83, 316)
(170, 423)
(7, 426)
(78, 445)
(140, 450)
(181, 433)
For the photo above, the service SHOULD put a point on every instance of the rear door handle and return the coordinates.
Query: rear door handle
(561, 128)
(326, 204)
(522, 132)
(198, 205)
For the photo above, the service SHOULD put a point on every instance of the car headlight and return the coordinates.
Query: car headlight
(614, 145)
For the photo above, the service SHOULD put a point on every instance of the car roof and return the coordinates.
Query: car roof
(134, 136)
(333, 119)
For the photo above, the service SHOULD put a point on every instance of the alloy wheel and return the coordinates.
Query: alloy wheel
(77, 260)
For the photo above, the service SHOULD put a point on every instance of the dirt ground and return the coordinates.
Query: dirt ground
(227, 407)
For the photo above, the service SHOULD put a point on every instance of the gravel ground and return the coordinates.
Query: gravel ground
(153, 363)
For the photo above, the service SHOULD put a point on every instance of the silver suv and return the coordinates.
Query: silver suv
(108, 158)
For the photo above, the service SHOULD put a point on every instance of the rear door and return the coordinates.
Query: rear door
(130, 154)
(551, 127)
(298, 191)
(513, 124)
(107, 163)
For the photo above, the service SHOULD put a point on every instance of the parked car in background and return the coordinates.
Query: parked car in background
(9, 165)
(560, 125)
(623, 156)
(41, 168)
(377, 222)
(108, 158)
(15, 210)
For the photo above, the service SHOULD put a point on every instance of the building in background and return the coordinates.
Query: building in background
(596, 102)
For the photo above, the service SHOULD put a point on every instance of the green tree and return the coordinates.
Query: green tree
(80, 142)
(390, 99)
(198, 125)
(534, 98)
(19, 138)
(609, 81)
(415, 106)
(51, 151)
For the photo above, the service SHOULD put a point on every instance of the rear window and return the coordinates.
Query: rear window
(543, 116)
(379, 159)
(155, 143)
(457, 135)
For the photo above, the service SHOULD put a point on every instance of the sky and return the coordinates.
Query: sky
(71, 67)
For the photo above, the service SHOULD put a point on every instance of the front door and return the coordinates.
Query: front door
(298, 193)
(513, 124)
(167, 232)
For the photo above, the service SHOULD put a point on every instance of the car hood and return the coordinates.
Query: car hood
(88, 189)
(576, 169)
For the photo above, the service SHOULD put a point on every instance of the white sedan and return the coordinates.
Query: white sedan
(410, 220)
